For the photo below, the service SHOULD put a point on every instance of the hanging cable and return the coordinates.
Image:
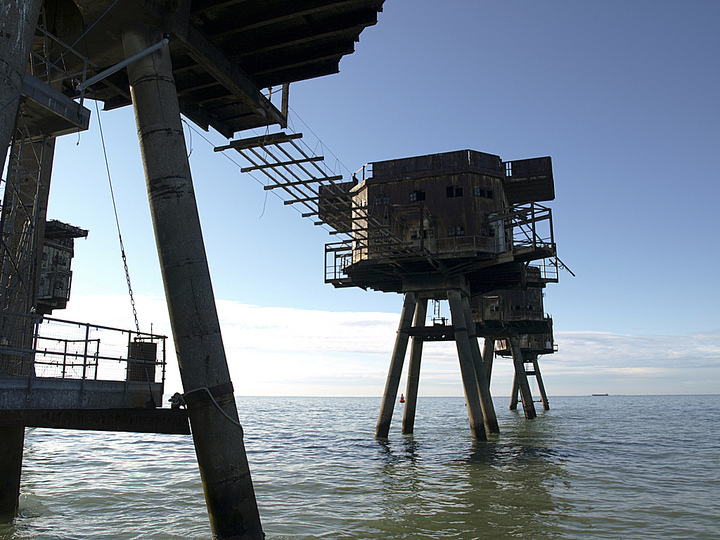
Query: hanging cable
(117, 222)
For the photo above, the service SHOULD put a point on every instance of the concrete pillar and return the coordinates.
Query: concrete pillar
(413, 382)
(212, 410)
(396, 364)
(11, 454)
(515, 393)
(488, 409)
(18, 19)
(521, 379)
(467, 367)
(488, 355)
(541, 386)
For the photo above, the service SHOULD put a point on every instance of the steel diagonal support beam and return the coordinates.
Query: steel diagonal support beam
(201, 49)
(520, 381)
(488, 410)
(488, 355)
(467, 368)
(413, 380)
(541, 386)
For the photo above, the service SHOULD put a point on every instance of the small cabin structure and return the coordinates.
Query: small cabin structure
(455, 213)
(55, 274)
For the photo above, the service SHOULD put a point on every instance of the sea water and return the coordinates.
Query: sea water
(636, 467)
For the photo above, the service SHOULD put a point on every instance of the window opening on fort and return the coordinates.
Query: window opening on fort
(454, 191)
(417, 196)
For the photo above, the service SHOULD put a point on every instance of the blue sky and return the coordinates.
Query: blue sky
(622, 95)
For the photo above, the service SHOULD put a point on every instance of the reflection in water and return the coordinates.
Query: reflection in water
(589, 468)
(458, 488)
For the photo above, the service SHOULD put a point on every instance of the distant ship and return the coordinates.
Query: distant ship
(601, 394)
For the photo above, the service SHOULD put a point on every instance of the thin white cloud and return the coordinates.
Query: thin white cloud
(287, 351)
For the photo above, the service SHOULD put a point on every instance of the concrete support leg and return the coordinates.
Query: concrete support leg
(467, 367)
(396, 364)
(216, 431)
(11, 454)
(17, 26)
(521, 379)
(541, 386)
(514, 396)
(488, 355)
(488, 409)
(414, 371)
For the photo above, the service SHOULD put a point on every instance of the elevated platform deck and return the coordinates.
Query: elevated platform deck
(65, 374)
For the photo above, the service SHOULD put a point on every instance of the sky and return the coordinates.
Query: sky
(622, 95)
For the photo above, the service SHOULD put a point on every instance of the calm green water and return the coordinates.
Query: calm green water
(591, 467)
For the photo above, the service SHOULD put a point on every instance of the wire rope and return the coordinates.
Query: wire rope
(117, 222)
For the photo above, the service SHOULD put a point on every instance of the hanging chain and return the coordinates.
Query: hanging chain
(127, 276)
(117, 223)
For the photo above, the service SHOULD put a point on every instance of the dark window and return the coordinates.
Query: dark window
(458, 192)
(459, 230)
(451, 231)
(450, 191)
(381, 200)
(417, 196)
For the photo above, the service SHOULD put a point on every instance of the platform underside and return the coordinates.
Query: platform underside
(486, 329)
(171, 421)
(87, 404)
(223, 51)
(424, 273)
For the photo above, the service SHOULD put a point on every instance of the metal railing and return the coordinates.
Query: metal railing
(46, 347)
(49, 63)
(530, 226)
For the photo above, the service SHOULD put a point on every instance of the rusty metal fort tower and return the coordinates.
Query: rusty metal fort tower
(206, 60)
(460, 226)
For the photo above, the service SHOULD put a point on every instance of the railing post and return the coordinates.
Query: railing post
(64, 359)
(164, 364)
(534, 231)
(85, 353)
